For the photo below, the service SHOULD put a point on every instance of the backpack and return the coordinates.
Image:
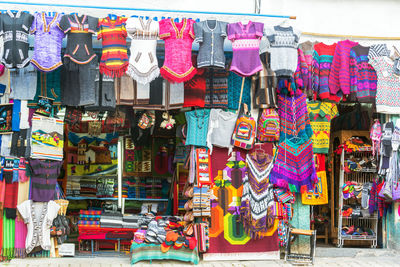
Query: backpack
(244, 133)
(268, 126)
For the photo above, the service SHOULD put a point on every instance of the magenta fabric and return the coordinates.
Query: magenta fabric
(339, 76)
(178, 38)
(245, 47)
(20, 236)
(48, 42)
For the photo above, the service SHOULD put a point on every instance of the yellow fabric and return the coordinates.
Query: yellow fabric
(321, 114)
(318, 196)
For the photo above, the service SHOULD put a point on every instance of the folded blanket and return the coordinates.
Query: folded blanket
(83, 222)
(89, 217)
(90, 212)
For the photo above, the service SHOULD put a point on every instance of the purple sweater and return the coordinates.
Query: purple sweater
(44, 178)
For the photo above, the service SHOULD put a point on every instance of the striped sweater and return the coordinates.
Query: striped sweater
(322, 61)
(363, 77)
(339, 77)
(301, 73)
(114, 59)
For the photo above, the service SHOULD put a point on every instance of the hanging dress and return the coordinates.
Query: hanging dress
(143, 65)
(178, 38)
(258, 196)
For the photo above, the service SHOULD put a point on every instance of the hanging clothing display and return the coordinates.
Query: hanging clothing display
(39, 217)
(210, 34)
(264, 84)
(216, 88)
(321, 66)
(197, 125)
(114, 57)
(16, 46)
(195, 90)
(234, 90)
(143, 65)
(388, 86)
(178, 38)
(23, 83)
(79, 31)
(104, 94)
(245, 47)
(43, 179)
(308, 51)
(258, 196)
(321, 115)
(48, 41)
(283, 42)
(363, 79)
(220, 128)
(378, 50)
(339, 76)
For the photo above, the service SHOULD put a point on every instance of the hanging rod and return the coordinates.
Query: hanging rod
(150, 10)
(349, 36)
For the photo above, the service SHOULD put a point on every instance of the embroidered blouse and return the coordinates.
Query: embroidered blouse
(79, 43)
(245, 47)
(197, 125)
(48, 42)
(39, 217)
(143, 64)
(14, 26)
(178, 38)
(114, 58)
(210, 34)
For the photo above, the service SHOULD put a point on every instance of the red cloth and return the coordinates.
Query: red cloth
(11, 200)
(195, 90)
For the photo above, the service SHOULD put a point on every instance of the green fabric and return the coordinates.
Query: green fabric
(8, 237)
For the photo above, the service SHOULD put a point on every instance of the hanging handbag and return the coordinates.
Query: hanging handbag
(268, 126)
(318, 196)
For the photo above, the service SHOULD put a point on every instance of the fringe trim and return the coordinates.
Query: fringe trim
(8, 253)
(114, 73)
(20, 253)
(143, 79)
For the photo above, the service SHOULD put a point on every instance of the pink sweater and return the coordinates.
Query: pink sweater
(339, 77)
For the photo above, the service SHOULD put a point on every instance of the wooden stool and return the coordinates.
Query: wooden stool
(297, 257)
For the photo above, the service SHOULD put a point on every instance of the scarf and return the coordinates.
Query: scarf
(10, 200)
(20, 237)
(8, 237)
(258, 197)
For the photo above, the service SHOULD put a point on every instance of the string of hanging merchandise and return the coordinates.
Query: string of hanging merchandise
(148, 10)
(348, 36)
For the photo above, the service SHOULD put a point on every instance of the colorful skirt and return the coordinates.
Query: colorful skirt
(294, 167)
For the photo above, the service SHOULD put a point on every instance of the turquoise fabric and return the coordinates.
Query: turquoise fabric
(234, 86)
(197, 125)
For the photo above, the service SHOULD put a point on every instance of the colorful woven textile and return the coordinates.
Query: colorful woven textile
(20, 236)
(290, 124)
(114, 59)
(284, 196)
(90, 212)
(8, 237)
(321, 114)
(142, 252)
(294, 167)
(258, 197)
(84, 222)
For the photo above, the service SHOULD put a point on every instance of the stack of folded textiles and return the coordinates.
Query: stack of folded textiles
(201, 202)
(88, 187)
(111, 220)
(130, 221)
(89, 219)
(136, 187)
(153, 187)
(73, 187)
(105, 187)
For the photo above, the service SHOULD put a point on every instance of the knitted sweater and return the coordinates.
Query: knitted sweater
(363, 77)
(322, 61)
(308, 50)
(339, 77)
(301, 73)
(283, 49)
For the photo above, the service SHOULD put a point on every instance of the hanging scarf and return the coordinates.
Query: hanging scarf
(8, 237)
(10, 200)
(258, 197)
(20, 237)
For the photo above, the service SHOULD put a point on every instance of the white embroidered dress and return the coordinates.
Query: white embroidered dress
(143, 65)
(39, 217)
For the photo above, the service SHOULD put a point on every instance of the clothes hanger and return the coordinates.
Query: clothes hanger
(285, 23)
(112, 16)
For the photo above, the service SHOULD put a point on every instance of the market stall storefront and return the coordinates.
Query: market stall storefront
(187, 138)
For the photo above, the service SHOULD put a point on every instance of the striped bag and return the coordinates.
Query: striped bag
(268, 126)
(244, 134)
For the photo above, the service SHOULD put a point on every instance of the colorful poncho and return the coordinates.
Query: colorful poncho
(258, 196)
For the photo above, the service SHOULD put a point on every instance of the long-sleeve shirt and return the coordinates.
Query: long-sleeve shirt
(339, 77)
(322, 61)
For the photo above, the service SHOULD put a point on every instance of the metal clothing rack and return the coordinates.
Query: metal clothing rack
(149, 10)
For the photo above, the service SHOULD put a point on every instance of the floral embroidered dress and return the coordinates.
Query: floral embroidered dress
(245, 46)
(143, 64)
(48, 42)
(178, 38)
(39, 217)
(114, 58)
